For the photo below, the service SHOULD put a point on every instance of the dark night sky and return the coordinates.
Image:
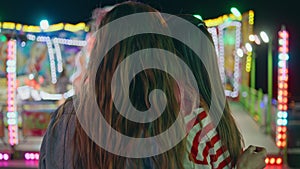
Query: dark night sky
(269, 16)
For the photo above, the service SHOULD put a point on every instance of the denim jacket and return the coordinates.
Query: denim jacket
(55, 151)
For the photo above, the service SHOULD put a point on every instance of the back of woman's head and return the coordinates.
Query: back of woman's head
(117, 79)
(206, 72)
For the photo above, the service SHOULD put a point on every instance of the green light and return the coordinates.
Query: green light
(235, 12)
(229, 39)
(198, 16)
(3, 38)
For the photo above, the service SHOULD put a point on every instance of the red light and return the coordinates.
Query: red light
(283, 129)
(278, 160)
(278, 143)
(273, 160)
(267, 160)
(285, 100)
(279, 129)
(281, 78)
(283, 136)
(280, 92)
(283, 144)
(281, 49)
(283, 34)
(283, 71)
(280, 35)
(286, 43)
(279, 136)
(280, 86)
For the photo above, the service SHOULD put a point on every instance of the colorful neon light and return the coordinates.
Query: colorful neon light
(282, 97)
(235, 91)
(51, 56)
(274, 161)
(58, 41)
(214, 34)
(251, 17)
(221, 19)
(4, 156)
(37, 29)
(31, 156)
(248, 61)
(12, 114)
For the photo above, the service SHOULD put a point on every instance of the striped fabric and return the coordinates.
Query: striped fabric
(204, 144)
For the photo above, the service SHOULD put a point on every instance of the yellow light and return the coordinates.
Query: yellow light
(256, 117)
(30, 28)
(55, 27)
(75, 28)
(8, 25)
(220, 20)
(18, 27)
(225, 17)
(233, 17)
(251, 17)
(86, 29)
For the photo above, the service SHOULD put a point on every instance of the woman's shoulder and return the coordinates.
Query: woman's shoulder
(54, 151)
(67, 108)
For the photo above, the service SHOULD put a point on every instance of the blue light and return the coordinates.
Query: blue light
(281, 63)
(284, 114)
(262, 104)
(283, 56)
(282, 122)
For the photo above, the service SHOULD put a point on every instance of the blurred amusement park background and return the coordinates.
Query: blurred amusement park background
(35, 60)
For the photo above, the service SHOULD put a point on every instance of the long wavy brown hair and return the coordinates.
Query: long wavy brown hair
(87, 154)
(226, 125)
